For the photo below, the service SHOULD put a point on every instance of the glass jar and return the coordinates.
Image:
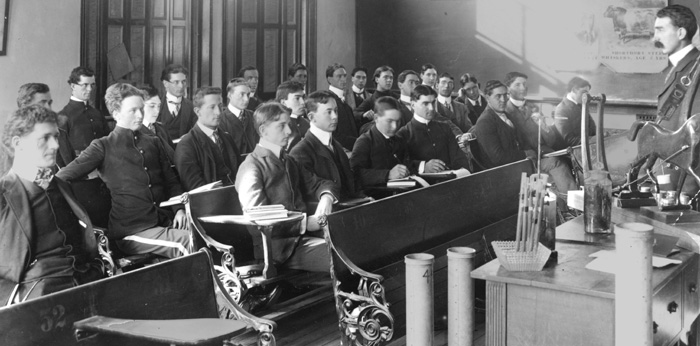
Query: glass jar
(597, 202)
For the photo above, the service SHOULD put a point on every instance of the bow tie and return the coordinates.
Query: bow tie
(43, 177)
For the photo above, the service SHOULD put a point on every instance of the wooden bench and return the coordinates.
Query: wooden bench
(369, 242)
(173, 302)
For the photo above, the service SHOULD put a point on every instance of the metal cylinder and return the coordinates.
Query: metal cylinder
(633, 291)
(460, 296)
(419, 299)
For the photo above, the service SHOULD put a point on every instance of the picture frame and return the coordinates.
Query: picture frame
(4, 19)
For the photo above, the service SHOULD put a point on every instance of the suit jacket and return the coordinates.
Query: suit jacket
(82, 124)
(317, 159)
(299, 127)
(353, 101)
(243, 130)
(17, 235)
(368, 105)
(264, 179)
(527, 129)
(66, 154)
(567, 122)
(459, 115)
(432, 141)
(347, 131)
(497, 141)
(177, 126)
(374, 156)
(200, 161)
(691, 100)
(474, 111)
(138, 175)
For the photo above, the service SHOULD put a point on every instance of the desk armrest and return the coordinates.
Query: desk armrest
(175, 332)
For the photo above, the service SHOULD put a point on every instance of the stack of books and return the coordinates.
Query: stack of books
(266, 212)
(405, 182)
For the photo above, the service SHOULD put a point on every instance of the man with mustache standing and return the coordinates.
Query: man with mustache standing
(674, 29)
(207, 153)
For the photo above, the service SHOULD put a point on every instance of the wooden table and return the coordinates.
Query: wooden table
(568, 304)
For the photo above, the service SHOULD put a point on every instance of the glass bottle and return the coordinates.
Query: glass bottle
(597, 201)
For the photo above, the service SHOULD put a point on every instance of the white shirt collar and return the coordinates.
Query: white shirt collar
(405, 98)
(676, 57)
(326, 138)
(207, 131)
(274, 148)
(28, 173)
(295, 116)
(77, 99)
(443, 99)
(421, 119)
(338, 92)
(568, 97)
(517, 103)
(357, 90)
(474, 103)
(234, 110)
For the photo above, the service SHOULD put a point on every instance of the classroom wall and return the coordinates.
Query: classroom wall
(336, 37)
(43, 45)
(490, 38)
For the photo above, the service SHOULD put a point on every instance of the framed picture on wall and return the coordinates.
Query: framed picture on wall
(4, 17)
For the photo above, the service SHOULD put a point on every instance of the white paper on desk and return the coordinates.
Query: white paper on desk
(606, 262)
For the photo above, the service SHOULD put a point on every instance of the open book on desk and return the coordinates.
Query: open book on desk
(178, 199)
(447, 174)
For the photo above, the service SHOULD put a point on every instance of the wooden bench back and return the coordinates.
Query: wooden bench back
(176, 289)
(375, 235)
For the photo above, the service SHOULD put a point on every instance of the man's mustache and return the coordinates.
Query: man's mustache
(658, 44)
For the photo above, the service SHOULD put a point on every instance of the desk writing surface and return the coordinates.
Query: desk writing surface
(687, 232)
(570, 274)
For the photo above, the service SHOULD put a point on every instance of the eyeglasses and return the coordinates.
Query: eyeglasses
(85, 85)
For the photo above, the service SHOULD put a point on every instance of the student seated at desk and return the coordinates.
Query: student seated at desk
(43, 246)
(207, 154)
(431, 144)
(378, 155)
(138, 175)
(270, 176)
(320, 154)
(291, 95)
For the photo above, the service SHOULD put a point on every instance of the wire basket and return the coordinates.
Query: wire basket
(520, 261)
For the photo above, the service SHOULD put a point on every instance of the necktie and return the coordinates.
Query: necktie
(43, 177)
(330, 146)
(448, 106)
(217, 140)
(177, 108)
(283, 156)
(359, 97)
(152, 128)
(408, 105)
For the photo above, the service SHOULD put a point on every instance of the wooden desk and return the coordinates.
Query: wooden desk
(571, 305)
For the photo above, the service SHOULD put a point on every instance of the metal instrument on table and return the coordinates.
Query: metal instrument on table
(597, 195)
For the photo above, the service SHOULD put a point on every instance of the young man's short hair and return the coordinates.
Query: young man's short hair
(233, 83)
(294, 68)
(446, 75)
(577, 83)
(427, 67)
(268, 112)
(172, 69)
(21, 122)
(117, 93)
(242, 71)
(384, 104)
(316, 97)
(74, 77)
(198, 99)
(149, 91)
(286, 88)
(491, 85)
(512, 76)
(466, 78)
(358, 69)
(380, 69)
(406, 73)
(422, 90)
(27, 91)
(681, 17)
(330, 70)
